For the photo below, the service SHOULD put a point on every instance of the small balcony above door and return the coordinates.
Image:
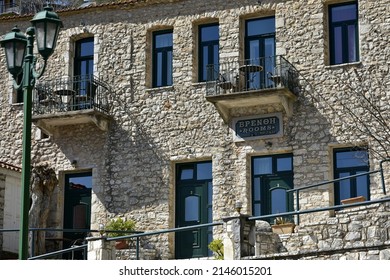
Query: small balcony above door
(255, 82)
(70, 101)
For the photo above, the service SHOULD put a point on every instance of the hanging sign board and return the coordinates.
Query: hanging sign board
(255, 127)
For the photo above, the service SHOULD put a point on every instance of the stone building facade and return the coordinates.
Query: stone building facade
(185, 121)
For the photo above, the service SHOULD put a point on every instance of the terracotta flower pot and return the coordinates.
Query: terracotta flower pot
(353, 200)
(121, 244)
(283, 228)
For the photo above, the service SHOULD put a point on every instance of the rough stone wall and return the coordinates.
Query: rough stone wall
(153, 129)
(359, 233)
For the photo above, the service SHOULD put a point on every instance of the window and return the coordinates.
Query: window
(343, 33)
(350, 162)
(83, 62)
(272, 176)
(208, 51)
(162, 58)
(260, 49)
(83, 73)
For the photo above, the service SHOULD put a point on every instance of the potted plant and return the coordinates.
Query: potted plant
(216, 246)
(283, 226)
(120, 227)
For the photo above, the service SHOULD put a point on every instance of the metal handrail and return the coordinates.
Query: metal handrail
(263, 73)
(138, 235)
(73, 249)
(298, 212)
(69, 94)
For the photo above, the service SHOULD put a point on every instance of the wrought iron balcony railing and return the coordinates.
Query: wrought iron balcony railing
(261, 73)
(71, 94)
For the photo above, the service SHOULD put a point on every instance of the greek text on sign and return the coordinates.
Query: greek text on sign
(267, 125)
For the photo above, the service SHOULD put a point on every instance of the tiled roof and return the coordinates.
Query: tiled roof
(10, 167)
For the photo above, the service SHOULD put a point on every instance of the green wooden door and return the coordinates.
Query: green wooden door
(77, 207)
(272, 176)
(191, 210)
(193, 207)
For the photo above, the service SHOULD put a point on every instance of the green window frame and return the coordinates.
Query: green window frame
(272, 176)
(162, 59)
(343, 33)
(208, 62)
(83, 61)
(349, 162)
(260, 49)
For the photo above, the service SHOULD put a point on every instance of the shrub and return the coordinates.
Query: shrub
(216, 246)
(119, 225)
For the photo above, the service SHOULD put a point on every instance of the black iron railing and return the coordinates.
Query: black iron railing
(71, 248)
(71, 94)
(261, 73)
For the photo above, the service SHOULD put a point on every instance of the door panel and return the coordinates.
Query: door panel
(272, 176)
(191, 210)
(279, 200)
(77, 207)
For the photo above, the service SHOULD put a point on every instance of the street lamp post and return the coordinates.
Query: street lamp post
(19, 52)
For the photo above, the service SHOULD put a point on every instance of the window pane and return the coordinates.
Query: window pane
(169, 68)
(254, 50)
(208, 50)
(351, 159)
(209, 33)
(261, 26)
(86, 48)
(79, 183)
(278, 201)
(284, 164)
(361, 185)
(343, 13)
(210, 193)
(257, 209)
(163, 40)
(256, 189)
(262, 165)
(352, 56)
(162, 59)
(187, 174)
(269, 47)
(204, 171)
(338, 45)
(345, 186)
(209, 214)
(191, 208)
(205, 58)
(215, 54)
(159, 69)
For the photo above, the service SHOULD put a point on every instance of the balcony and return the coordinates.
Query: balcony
(8, 8)
(70, 101)
(255, 82)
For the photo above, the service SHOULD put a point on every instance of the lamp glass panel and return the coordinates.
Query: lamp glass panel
(51, 32)
(40, 35)
(9, 50)
(20, 50)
